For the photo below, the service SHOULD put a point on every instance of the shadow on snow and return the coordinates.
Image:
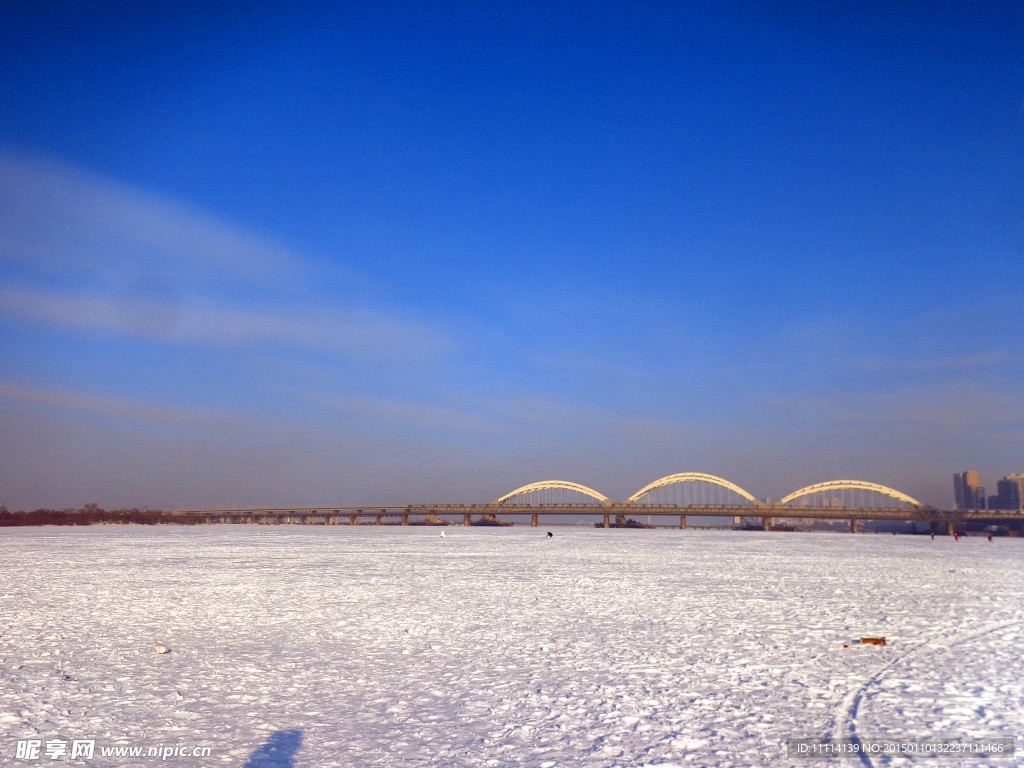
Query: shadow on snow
(277, 752)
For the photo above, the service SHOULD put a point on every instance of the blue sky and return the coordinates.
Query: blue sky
(391, 252)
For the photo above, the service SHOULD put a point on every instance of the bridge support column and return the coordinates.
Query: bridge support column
(432, 518)
(607, 522)
(533, 520)
(380, 519)
(682, 522)
(950, 529)
(766, 523)
(853, 526)
(405, 519)
(467, 519)
(352, 519)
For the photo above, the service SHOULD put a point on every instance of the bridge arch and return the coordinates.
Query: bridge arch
(692, 477)
(564, 485)
(855, 485)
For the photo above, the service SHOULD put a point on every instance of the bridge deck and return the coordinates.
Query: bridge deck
(918, 514)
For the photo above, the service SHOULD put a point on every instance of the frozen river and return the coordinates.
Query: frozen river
(387, 646)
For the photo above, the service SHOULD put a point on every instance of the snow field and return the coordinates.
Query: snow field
(389, 646)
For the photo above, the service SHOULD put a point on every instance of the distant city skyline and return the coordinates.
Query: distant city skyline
(968, 490)
(391, 252)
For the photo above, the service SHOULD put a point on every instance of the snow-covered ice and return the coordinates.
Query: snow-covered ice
(389, 646)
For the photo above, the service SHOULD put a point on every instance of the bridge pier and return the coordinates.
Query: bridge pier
(380, 519)
(950, 529)
(352, 519)
(853, 526)
(405, 518)
(533, 520)
(432, 518)
(607, 522)
(766, 523)
(467, 519)
(682, 522)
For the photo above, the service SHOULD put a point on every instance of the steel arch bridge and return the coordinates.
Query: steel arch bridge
(691, 477)
(561, 485)
(821, 501)
(852, 485)
(681, 478)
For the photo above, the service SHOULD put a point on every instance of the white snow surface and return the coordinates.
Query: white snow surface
(390, 646)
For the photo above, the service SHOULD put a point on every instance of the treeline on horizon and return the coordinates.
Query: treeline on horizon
(91, 514)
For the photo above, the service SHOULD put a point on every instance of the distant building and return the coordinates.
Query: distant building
(970, 494)
(1010, 493)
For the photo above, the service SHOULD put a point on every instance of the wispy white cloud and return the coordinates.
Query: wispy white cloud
(937, 417)
(592, 365)
(119, 408)
(88, 254)
(952, 363)
(517, 422)
(357, 333)
(55, 214)
(410, 414)
(954, 409)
